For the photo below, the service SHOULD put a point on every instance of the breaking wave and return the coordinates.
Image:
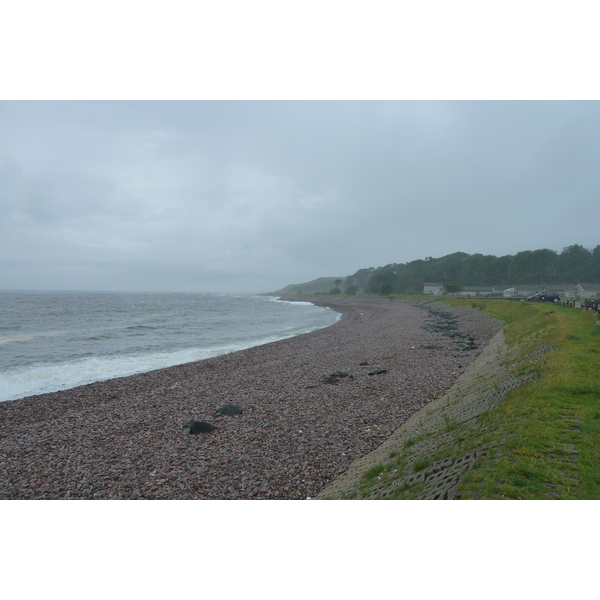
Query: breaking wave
(141, 341)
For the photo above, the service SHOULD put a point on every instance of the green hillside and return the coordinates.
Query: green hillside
(575, 264)
(322, 285)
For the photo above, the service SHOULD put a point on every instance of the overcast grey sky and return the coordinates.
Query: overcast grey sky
(251, 196)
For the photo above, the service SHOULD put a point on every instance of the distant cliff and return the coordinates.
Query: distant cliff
(322, 285)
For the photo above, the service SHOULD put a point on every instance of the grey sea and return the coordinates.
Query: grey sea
(52, 341)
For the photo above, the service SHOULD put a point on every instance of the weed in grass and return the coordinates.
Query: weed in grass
(347, 495)
(374, 472)
(421, 464)
(527, 370)
(579, 389)
(450, 424)
(382, 475)
(407, 491)
(413, 441)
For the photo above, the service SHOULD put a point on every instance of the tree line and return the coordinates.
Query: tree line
(575, 264)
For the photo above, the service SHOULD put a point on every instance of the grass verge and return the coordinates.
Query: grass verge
(545, 434)
(551, 425)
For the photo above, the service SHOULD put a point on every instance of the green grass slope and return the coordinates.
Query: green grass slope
(537, 438)
(322, 285)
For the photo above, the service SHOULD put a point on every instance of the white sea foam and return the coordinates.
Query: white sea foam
(40, 379)
(116, 335)
(292, 302)
(4, 339)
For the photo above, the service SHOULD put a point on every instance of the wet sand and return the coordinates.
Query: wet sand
(122, 438)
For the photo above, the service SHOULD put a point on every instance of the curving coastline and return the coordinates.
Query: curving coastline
(122, 438)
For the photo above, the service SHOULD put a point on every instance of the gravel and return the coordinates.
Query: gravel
(123, 438)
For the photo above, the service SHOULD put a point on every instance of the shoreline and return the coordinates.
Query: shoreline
(122, 438)
(81, 365)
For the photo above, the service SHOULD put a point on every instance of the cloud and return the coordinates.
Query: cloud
(250, 196)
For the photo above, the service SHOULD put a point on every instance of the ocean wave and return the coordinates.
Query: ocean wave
(107, 340)
(41, 379)
(5, 339)
(293, 302)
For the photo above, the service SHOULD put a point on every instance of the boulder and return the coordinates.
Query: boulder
(229, 410)
(335, 377)
(196, 427)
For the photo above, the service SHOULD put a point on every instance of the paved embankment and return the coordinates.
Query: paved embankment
(426, 457)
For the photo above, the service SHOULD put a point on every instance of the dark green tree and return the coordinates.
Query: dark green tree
(575, 263)
(545, 265)
(386, 289)
(360, 278)
(453, 287)
(595, 266)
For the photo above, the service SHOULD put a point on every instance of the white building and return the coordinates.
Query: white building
(476, 291)
(437, 289)
(567, 291)
(588, 290)
(528, 290)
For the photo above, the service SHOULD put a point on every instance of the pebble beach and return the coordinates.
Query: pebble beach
(123, 438)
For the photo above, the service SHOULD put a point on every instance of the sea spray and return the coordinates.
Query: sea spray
(56, 341)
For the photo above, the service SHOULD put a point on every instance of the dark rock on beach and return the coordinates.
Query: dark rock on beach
(196, 427)
(335, 377)
(446, 323)
(377, 372)
(229, 410)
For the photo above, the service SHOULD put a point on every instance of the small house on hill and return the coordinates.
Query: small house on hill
(476, 291)
(528, 290)
(437, 289)
(567, 291)
(501, 289)
(588, 290)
